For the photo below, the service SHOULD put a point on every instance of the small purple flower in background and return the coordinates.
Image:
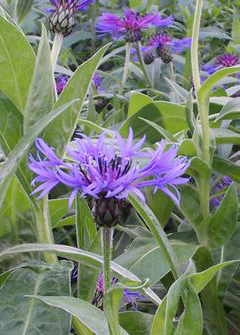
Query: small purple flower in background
(224, 183)
(165, 45)
(62, 20)
(129, 297)
(131, 25)
(61, 82)
(108, 175)
(220, 62)
(97, 81)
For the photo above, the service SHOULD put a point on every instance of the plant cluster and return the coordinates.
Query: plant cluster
(119, 167)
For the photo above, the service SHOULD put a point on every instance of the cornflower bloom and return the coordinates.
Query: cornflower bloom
(61, 82)
(165, 45)
(108, 175)
(129, 297)
(224, 183)
(220, 62)
(131, 25)
(62, 20)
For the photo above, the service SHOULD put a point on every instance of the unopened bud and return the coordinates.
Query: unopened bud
(62, 21)
(165, 54)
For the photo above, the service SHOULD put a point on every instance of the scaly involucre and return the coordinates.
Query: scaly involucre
(100, 170)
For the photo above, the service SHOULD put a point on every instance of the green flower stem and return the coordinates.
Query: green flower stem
(44, 230)
(126, 67)
(57, 44)
(142, 64)
(171, 72)
(149, 5)
(107, 242)
(204, 188)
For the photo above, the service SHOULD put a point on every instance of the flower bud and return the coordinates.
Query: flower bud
(148, 58)
(165, 54)
(107, 211)
(62, 20)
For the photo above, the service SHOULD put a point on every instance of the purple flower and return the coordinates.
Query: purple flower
(131, 25)
(165, 45)
(61, 82)
(62, 20)
(99, 170)
(129, 297)
(224, 183)
(73, 5)
(220, 62)
(97, 81)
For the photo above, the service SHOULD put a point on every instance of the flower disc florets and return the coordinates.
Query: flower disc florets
(108, 174)
(62, 20)
(131, 25)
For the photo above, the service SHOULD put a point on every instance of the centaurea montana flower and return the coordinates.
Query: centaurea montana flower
(220, 62)
(131, 25)
(165, 45)
(109, 175)
(61, 82)
(129, 296)
(62, 20)
(220, 186)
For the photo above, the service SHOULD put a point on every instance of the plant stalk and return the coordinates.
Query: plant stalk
(126, 66)
(44, 230)
(142, 64)
(204, 188)
(107, 242)
(57, 44)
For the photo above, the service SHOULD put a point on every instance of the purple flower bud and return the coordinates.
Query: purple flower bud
(62, 20)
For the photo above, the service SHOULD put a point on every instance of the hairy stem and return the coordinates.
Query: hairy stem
(107, 240)
(204, 189)
(142, 64)
(126, 67)
(44, 230)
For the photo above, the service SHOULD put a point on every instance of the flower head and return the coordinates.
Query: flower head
(220, 62)
(219, 187)
(61, 82)
(108, 174)
(164, 45)
(131, 26)
(62, 20)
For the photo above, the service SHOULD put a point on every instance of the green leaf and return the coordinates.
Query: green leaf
(40, 98)
(11, 121)
(168, 116)
(236, 29)
(92, 317)
(224, 220)
(146, 260)
(158, 233)
(82, 256)
(206, 89)
(17, 71)
(191, 321)
(137, 102)
(231, 110)
(201, 279)
(21, 314)
(112, 300)
(190, 205)
(57, 209)
(23, 8)
(14, 159)
(136, 323)
(163, 319)
(226, 168)
(225, 136)
(76, 88)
